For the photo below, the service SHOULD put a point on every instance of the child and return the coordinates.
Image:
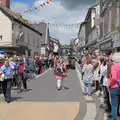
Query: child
(59, 74)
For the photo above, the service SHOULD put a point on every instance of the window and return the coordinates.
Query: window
(37, 42)
(1, 37)
(117, 14)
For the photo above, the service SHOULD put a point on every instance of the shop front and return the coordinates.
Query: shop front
(106, 47)
(91, 47)
(116, 41)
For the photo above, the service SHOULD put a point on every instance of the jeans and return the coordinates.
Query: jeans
(6, 86)
(22, 80)
(87, 88)
(115, 99)
(107, 97)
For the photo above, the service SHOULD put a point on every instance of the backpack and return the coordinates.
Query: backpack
(59, 70)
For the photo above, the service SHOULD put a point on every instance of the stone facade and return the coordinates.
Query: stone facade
(92, 28)
(109, 26)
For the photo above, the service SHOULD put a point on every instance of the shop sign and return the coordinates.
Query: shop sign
(106, 45)
(43, 51)
(116, 43)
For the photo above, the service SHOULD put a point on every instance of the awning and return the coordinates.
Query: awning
(2, 52)
(92, 43)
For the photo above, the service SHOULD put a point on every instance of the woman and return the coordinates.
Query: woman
(114, 85)
(59, 73)
(88, 76)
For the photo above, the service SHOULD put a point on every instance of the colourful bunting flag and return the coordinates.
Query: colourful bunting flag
(41, 5)
(44, 4)
(47, 2)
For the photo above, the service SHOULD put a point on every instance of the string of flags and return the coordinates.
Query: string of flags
(39, 6)
(76, 25)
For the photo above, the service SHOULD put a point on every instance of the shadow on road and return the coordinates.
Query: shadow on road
(15, 99)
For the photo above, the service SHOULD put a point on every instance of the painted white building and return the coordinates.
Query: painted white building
(17, 35)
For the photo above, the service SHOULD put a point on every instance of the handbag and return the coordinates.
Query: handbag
(2, 77)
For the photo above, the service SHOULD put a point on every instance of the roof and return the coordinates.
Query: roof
(81, 26)
(54, 40)
(89, 11)
(17, 17)
(41, 27)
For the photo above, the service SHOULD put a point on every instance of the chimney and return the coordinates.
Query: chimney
(6, 3)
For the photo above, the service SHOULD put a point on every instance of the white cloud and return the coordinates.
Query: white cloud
(56, 14)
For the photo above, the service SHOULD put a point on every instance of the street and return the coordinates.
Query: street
(43, 96)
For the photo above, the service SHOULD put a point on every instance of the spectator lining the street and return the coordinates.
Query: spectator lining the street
(7, 70)
(114, 85)
(88, 76)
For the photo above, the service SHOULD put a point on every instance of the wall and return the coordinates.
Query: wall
(32, 40)
(5, 30)
(82, 36)
(26, 37)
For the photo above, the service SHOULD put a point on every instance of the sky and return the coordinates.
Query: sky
(58, 12)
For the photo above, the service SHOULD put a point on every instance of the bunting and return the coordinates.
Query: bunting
(76, 25)
(39, 6)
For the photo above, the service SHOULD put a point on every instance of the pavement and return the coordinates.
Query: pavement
(38, 111)
(44, 102)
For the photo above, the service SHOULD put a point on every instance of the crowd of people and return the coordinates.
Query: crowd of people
(103, 72)
(15, 72)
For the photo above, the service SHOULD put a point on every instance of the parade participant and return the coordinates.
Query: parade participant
(59, 74)
(55, 60)
(114, 85)
(64, 73)
(7, 70)
(88, 76)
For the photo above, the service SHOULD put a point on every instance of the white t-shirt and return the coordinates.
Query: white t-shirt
(103, 72)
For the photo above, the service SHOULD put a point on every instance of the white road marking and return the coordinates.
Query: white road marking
(38, 76)
(91, 108)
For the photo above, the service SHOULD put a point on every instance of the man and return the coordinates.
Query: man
(7, 70)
